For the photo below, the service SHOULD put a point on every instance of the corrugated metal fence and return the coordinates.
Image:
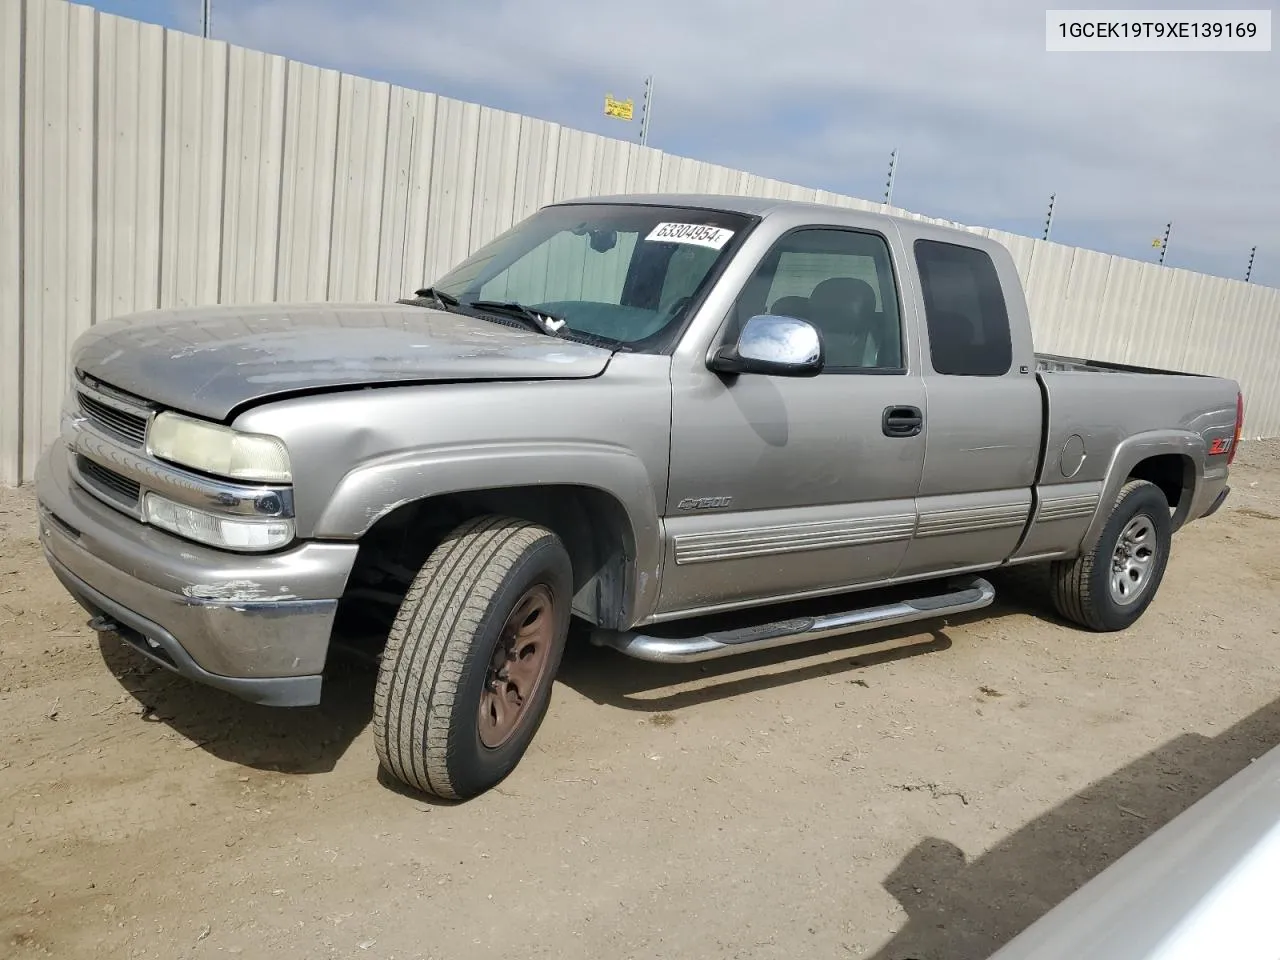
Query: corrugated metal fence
(143, 168)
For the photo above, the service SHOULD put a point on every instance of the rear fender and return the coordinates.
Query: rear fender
(1132, 451)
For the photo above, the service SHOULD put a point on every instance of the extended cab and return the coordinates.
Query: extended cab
(661, 415)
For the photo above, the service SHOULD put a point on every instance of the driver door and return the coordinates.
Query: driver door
(784, 485)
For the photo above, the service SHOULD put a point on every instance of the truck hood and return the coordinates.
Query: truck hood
(210, 360)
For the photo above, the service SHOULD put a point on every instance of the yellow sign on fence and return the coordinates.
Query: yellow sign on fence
(622, 109)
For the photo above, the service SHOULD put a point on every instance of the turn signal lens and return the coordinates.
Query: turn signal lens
(228, 533)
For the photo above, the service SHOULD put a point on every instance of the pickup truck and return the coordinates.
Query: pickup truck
(668, 419)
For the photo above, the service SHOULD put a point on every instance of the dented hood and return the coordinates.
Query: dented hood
(210, 360)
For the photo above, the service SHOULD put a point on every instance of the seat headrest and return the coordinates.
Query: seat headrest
(844, 294)
(797, 307)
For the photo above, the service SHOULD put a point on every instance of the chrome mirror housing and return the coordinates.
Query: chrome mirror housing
(773, 345)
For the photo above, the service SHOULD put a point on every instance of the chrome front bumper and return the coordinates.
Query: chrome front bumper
(257, 626)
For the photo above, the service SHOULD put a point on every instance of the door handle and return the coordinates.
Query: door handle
(902, 421)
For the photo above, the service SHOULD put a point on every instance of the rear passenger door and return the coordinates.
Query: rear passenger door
(985, 415)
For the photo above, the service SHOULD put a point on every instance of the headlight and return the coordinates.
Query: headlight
(221, 451)
(231, 533)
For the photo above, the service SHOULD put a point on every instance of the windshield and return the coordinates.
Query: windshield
(625, 273)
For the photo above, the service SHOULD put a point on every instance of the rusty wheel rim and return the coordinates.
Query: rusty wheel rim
(517, 666)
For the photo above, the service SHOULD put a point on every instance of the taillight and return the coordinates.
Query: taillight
(1235, 440)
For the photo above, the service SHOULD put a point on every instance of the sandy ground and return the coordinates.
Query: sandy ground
(925, 794)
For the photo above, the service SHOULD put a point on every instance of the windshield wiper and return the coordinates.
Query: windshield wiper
(539, 320)
(441, 299)
(542, 321)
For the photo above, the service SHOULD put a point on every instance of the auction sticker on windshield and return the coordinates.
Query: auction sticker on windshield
(696, 233)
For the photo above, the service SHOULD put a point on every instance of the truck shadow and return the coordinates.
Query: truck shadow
(962, 909)
(607, 677)
(298, 740)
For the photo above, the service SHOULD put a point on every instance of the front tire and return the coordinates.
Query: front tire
(1109, 587)
(468, 669)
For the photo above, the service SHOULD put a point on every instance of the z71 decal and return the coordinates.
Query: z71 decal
(1219, 446)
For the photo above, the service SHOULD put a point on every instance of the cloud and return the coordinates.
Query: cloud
(819, 91)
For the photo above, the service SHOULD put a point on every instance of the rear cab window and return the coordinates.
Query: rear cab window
(965, 311)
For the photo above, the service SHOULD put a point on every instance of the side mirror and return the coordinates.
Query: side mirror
(773, 345)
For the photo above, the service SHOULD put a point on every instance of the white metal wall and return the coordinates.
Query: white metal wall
(144, 168)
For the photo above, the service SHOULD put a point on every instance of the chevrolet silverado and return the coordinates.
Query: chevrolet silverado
(636, 413)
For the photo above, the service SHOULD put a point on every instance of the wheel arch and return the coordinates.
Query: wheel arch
(1175, 476)
(600, 499)
(1173, 460)
(595, 527)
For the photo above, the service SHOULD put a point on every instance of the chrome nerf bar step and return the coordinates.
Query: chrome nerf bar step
(970, 595)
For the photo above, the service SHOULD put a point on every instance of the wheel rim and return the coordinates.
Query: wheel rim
(517, 666)
(1134, 560)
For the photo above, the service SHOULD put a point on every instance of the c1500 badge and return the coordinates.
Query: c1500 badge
(704, 503)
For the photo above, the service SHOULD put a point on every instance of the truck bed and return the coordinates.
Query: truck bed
(1099, 413)
(1053, 363)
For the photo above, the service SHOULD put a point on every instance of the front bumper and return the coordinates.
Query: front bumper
(257, 626)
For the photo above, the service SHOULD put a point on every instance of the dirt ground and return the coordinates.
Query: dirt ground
(924, 793)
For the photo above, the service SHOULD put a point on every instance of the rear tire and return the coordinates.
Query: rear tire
(1111, 585)
(468, 669)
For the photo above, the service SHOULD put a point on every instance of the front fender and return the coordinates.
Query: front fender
(1132, 451)
(375, 487)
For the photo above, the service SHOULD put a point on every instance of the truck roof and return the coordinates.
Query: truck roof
(759, 206)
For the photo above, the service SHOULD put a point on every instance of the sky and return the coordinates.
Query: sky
(987, 124)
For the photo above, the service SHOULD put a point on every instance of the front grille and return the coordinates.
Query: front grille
(126, 426)
(109, 481)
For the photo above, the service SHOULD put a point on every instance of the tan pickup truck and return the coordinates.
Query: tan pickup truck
(642, 412)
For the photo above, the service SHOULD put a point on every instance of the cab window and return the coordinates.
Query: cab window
(841, 281)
